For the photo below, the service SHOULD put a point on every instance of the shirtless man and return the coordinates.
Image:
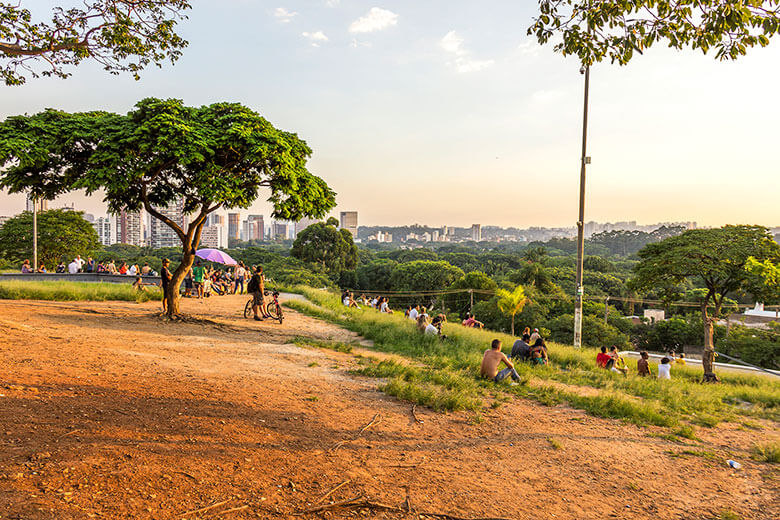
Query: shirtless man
(492, 359)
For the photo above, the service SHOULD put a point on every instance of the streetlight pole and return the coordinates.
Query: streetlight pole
(581, 220)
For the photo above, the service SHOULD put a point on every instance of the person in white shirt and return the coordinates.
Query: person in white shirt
(132, 271)
(414, 313)
(79, 261)
(384, 306)
(73, 267)
(374, 302)
(664, 369)
(431, 329)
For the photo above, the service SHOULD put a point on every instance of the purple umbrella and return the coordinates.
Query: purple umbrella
(215, 255)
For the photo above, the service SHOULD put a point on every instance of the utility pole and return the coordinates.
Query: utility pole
(581, 221)
(606, 310)
(471, 303)
(35, 234)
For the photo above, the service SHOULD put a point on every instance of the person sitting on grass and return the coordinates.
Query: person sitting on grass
(414, 312)
(492, 359)
(470, 321)
(664, 369)
(535, 336)
(521, 349)
(385, 306)
(619, 364)
(538, 353)
(41, 268)
(60, 268)
(603, 359)
(642, 365)
(680, 359)
(139, 285)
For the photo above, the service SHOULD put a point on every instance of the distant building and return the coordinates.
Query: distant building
(89, 217)
(215, 220)
(349, 221)
(214, 237)
(129, 228)
(234, 226)
(160, 234)
(253, 228)
(43, 204)
(103, 227)
(476, 232)
(303, 224)
(655, 315)
(279, 230)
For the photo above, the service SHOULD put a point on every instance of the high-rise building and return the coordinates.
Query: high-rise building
(129, 228)
(279, 230)
(476, 232)
(160, 233)
(349, 221)
(234, 226)
(213, 237)
(43, 204)
(102, 227)
(303, 224)
(253, 228)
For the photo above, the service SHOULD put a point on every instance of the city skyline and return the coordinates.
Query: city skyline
(448, 113)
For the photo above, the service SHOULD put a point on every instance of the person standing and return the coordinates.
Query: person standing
(238, 275)
(165, 280)
(198, 273)
(90, 268)
(256, 286)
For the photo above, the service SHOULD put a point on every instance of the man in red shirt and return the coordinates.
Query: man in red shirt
(470, 321)
(603, 358)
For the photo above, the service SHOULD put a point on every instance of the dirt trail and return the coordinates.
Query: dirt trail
(108, 412)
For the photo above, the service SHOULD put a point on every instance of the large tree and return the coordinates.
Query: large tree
(594, 30)
(322, 243)
(714, 258)
(121, 35)
(163, 152)
(62, 234)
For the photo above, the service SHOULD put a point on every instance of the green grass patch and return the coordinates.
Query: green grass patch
(338, 346)
(75, 291)
(452, 366)
(767, 452)
(728, 514)
(555, 444)
(705, 454)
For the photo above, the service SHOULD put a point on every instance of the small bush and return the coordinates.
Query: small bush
(75, 291)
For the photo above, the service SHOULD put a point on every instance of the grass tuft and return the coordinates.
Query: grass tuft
(556, 444)
(767, 452)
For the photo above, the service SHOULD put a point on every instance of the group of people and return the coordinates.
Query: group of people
(201, 280)
(614, 361)
(380, 303)
(79, 265)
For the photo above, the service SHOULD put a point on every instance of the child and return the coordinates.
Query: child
(664, 369)
(642, 366)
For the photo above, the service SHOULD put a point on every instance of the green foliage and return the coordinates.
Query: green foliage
(74, 291)
(473, 280)
(424, 275)
(595, 333)
(765, 280)
(325, 245)
(375, 276)
(510, 303)
(121, 35)
(616, 29)
(756, 346)
(61, 236)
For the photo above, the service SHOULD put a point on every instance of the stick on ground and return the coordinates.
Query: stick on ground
(329, 493)
(377, 418)
(212, 506)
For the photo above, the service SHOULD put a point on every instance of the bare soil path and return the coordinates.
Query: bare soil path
(106, 411)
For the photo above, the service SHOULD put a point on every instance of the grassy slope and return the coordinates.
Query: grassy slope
(445, 375)
(74, 291)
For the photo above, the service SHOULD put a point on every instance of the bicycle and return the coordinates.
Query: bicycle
(272, 309)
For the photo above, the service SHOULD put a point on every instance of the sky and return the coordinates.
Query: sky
(444, 112)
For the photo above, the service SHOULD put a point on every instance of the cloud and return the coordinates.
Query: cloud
(376, 20)
(452, 43)
(529, 47)
(283, 15)
(332, 3)
(355, 43)
(315, 38)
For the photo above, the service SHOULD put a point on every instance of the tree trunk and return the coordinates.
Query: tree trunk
(513, 325)
(172, 293)
(708, 356)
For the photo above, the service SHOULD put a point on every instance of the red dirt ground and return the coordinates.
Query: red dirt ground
(109, 412)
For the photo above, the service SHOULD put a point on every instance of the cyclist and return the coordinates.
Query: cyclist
(256, 286)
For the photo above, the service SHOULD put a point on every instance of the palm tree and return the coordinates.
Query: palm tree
(510, 303)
